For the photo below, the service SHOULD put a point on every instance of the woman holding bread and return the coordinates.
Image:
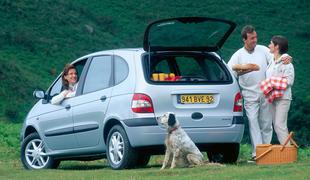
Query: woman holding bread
(281, 105)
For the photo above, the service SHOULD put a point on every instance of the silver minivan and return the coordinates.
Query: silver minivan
(122, 91)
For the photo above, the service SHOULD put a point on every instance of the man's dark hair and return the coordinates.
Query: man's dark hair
(282, 42)
(247, 29)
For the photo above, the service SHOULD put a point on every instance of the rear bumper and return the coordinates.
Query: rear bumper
(152, 135)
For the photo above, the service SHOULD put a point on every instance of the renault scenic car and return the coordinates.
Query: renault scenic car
(121, 93)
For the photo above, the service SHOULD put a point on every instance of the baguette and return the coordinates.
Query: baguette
(249, 66)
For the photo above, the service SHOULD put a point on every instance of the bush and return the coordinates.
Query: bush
(298, 121)
(11, 113)
(15, 90)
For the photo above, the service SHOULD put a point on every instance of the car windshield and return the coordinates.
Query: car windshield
(186, 68)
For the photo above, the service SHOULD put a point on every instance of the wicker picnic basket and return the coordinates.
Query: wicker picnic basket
(277, 154)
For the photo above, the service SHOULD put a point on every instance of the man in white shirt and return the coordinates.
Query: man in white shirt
(257, 109)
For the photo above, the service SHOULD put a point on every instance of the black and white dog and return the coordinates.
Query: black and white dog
(179, 146)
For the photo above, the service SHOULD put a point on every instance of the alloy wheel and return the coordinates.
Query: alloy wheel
(116, 148)
(35, 154)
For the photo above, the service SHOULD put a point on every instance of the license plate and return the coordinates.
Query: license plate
(196, 99)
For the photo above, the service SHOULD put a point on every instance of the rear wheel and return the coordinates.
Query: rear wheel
(120, 154)
(224, 153)
(33, 154)
(143, 159)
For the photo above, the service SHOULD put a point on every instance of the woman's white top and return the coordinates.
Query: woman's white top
(277, 69)
(61, 96)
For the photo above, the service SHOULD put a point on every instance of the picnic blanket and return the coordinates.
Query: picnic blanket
(273, 87)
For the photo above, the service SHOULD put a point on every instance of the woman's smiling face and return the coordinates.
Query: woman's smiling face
(71, 77)
(272, 47)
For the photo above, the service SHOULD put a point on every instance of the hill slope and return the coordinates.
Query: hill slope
(38, 37)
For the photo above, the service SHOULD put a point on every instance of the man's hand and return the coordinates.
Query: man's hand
(286, 59)
(242, 72)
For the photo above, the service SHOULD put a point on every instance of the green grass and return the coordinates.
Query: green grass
(99, 170)
(9, 141)
(11, 167)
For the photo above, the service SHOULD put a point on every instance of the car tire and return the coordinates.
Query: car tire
(120, 154)
(33, 154)
(224, 153)
(142, 160)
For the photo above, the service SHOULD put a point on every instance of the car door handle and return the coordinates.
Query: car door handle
(68, 106)
(103, 98)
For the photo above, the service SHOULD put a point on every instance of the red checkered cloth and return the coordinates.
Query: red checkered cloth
(279, 83)
(266, 86)
(273, 87)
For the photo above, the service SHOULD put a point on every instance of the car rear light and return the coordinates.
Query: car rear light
(142, 103)
(238, 103)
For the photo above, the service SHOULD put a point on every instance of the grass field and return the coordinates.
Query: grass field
(11, 167)
(99, 170)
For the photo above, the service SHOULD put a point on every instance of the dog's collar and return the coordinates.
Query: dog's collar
(173, 129)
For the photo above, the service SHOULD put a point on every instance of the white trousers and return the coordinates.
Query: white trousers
(280, 110)
(259, 115)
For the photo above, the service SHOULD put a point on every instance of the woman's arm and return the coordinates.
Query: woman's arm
(289, 73)
(60, 97)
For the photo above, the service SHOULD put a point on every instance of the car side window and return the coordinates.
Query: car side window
(56, 89)
(99, 75)
(216, 72)
(121, 69)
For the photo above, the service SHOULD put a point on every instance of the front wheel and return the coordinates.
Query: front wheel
(120, 154)
(33, 154)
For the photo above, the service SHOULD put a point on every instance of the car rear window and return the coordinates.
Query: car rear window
(185, 68)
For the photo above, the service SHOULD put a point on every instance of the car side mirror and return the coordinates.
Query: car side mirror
(39, 94)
